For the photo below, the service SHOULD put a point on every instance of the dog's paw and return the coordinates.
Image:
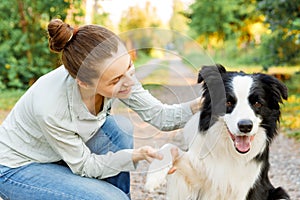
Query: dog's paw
(158, 169)
(156, 179)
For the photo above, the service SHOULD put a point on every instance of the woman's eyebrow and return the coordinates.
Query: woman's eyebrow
(129, 66)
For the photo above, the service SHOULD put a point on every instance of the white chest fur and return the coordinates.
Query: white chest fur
(222, 172)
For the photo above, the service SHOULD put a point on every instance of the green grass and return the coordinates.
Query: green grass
(8, 98)
(141, 59)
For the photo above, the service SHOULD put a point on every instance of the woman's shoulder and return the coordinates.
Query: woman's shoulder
(57, 75)
(50, 92)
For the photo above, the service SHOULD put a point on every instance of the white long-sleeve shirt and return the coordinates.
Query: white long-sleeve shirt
(50, 122)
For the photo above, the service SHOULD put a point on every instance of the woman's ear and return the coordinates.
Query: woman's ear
(82, 84)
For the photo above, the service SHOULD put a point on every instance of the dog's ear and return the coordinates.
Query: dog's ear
(208, 71)
(278, 88)
(274, 88)
(214, 93)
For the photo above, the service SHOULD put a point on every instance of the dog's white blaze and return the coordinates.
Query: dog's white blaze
(241, 88)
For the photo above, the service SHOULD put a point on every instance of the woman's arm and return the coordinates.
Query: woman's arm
(163, 116)
(71, 148)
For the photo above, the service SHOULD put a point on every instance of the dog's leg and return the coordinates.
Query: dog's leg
(158, 169)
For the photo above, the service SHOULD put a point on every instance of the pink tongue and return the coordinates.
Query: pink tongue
(242, 143)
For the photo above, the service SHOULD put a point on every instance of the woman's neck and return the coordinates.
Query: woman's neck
(94, 102)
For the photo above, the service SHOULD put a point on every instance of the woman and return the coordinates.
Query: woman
(60, 141)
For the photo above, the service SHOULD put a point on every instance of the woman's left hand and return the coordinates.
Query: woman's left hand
(196, 105)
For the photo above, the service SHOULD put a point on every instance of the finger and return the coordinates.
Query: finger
(174, 153)
(154, 154)
(149, 159)
(172, 170)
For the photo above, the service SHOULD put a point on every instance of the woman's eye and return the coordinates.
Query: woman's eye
(115, 81)
(257, 104)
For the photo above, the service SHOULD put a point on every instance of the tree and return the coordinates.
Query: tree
(178, 23)
(137, 17)
(282, 45)
(221, 19)
(94, 14)
(24, 53)
(131, 27)
(178, 20)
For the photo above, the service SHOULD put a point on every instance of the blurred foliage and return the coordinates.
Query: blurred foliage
(282, 45)
(234, 32)
(8, 98)
(178, 21)
(24, 54)
(143, 58)
(138, 18)
(222, 19)
(98, 15)
(269, 28)
(290, 122)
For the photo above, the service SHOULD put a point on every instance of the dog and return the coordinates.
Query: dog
(229, 139)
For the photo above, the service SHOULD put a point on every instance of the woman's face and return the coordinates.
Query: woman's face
(116, 80)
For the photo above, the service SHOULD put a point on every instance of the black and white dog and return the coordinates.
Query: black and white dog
(228, 156)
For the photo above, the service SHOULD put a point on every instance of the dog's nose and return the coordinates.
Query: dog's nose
(245, 125)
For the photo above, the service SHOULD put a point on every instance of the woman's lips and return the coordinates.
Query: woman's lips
(126, 91)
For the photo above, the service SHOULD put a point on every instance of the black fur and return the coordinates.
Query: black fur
(268, 92)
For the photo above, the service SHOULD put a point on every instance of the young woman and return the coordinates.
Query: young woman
(60, 141)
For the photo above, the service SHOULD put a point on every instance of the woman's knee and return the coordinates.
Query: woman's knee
(125, 131)
(124, 124)
(127, 127)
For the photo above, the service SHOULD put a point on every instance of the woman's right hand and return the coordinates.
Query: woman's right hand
(146, 153)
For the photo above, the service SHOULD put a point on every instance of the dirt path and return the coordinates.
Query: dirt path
(284, 152)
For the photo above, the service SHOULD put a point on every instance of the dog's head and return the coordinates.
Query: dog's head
(244, 102)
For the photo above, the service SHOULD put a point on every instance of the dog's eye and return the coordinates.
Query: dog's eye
(229, 104)
(257, 104)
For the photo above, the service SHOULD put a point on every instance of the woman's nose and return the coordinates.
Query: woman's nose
(128, 80)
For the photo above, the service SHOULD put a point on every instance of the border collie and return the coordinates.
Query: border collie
(228, 155)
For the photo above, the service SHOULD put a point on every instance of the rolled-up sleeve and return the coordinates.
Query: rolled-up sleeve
(162, 116)
(72, 149)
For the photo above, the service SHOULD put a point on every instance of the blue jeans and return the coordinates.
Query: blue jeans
(52, 181)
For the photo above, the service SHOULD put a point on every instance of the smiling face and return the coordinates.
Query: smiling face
(117, 79)
(115, 76)
(241, 118)
(245, 105)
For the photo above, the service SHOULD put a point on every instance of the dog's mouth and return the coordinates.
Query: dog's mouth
(241, 143)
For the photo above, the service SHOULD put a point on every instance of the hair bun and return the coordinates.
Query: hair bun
(60, 34)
